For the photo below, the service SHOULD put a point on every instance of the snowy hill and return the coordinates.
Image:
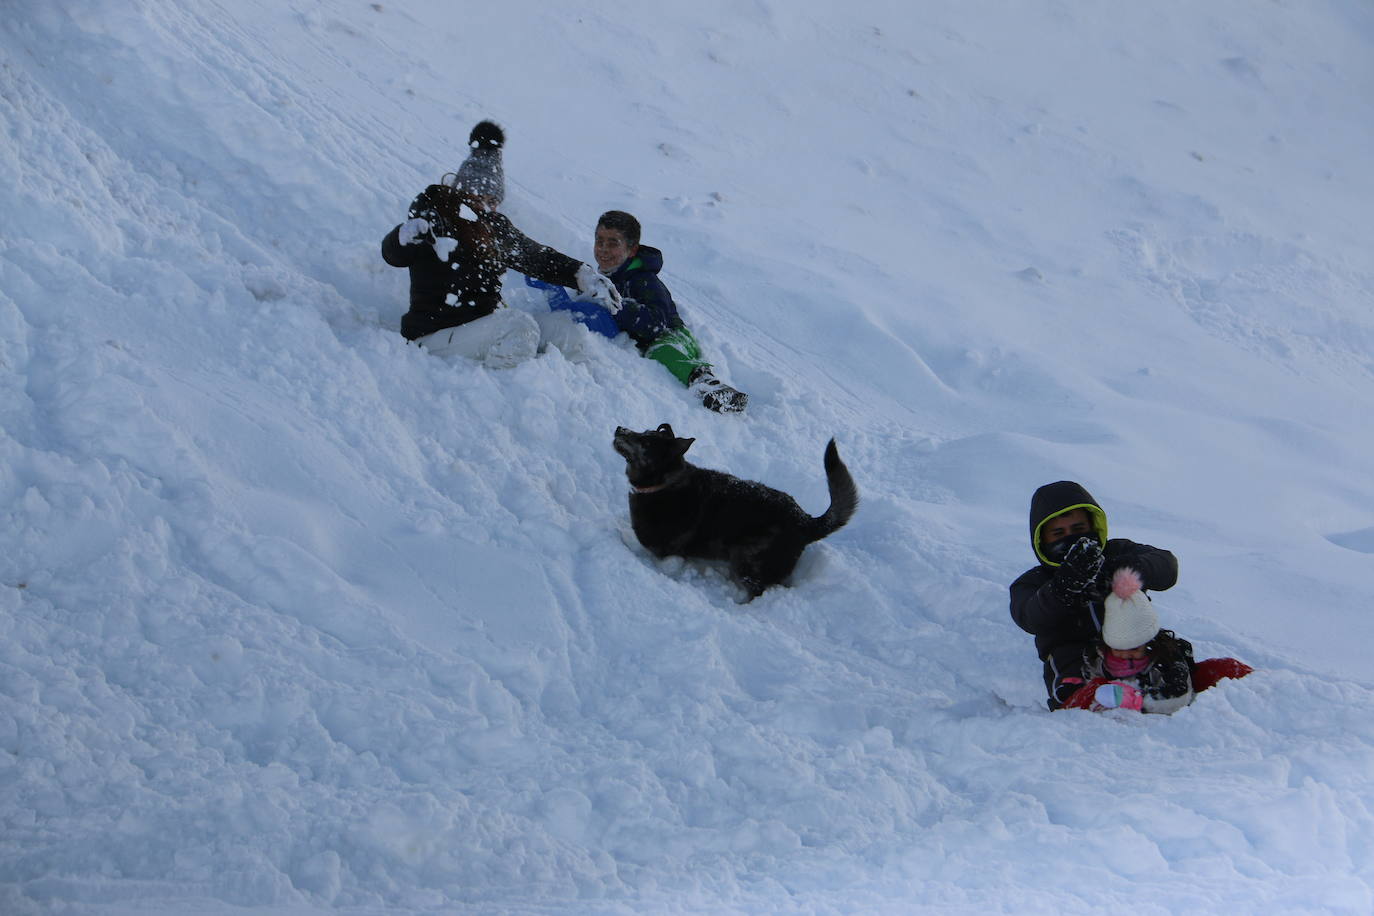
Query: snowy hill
(295, 618)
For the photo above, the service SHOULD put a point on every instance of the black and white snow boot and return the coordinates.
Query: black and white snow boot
(715, 394)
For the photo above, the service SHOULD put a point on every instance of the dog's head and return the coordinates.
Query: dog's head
(651, 457)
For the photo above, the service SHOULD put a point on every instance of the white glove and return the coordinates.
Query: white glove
(598, 287)
(413, 231)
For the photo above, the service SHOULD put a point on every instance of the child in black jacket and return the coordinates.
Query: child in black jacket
(1060, 600)
(457, 247)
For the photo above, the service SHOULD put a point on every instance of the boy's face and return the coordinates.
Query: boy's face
(611, 250)
(1075, 524)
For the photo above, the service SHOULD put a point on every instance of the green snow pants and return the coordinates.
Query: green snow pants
(679, 352)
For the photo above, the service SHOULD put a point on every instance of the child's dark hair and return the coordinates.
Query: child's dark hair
(621, 222)
(1167, 647)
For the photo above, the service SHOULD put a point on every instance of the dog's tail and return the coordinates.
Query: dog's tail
(844, 496)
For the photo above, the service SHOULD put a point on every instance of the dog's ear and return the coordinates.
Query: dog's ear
(665, 430)
(683, 445)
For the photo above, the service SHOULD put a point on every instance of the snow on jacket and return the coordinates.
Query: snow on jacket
(647, 308)
(466, 285)
(1063, 631)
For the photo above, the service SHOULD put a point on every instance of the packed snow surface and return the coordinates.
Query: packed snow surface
(296, 618)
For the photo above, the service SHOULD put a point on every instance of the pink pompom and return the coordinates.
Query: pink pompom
(1125, 582)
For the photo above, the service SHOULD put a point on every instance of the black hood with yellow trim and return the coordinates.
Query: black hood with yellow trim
(1057, 498)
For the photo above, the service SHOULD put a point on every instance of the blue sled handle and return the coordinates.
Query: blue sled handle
(590, 314)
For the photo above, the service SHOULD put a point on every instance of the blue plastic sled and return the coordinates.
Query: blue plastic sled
(589, 313)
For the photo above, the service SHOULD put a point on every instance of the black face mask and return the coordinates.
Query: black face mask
(1056, 552)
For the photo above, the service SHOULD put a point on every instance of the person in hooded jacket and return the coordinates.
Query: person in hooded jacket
(1060, 600)
(457, 246)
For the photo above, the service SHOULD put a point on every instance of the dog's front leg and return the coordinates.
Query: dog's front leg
(742, 571)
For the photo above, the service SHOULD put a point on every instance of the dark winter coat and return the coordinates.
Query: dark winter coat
(1167, 684)
(1064, 631)
(466, 286)
(647, 309)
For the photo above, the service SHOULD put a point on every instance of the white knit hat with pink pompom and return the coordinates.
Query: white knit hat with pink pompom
(1130, 620)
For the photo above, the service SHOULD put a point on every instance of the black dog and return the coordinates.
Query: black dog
(679, 509)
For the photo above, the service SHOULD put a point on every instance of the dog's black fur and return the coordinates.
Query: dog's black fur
(679, 509)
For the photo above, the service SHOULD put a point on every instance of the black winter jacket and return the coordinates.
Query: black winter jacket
(647, 308)
(1064, 631)
(467, 285)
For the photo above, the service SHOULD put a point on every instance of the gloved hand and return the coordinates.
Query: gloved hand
(415, 231)
(596, 286)
(1117, 695)
(1078, 572)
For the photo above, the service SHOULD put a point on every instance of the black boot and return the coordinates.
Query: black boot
(715, 394)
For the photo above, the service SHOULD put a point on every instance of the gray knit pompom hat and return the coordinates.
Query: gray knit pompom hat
(481, 172)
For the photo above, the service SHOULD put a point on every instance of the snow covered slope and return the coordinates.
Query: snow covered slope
(295, 618)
